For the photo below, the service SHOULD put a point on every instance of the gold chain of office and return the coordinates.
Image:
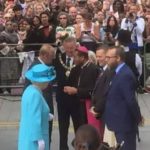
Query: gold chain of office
(65, 66)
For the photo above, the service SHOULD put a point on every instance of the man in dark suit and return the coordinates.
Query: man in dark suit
(46, 56)
(101, 87)
(98, 94)
(122, 113)
(66, 74)
(88, 75)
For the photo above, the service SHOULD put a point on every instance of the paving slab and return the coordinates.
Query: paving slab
(10, 114)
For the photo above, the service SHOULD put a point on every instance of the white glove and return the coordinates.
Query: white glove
(51, 117)
(41, 145)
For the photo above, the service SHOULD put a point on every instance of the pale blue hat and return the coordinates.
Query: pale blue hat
(41, 73)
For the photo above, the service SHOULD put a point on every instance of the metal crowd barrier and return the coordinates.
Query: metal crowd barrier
(11, 69)
(11, 82)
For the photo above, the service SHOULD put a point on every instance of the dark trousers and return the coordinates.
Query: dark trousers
(129, 139)
(47, 93)
(83, 112)
(67, 107)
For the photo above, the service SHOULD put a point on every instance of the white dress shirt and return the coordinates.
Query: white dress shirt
(71, 60)
(137, 31)
(138, 61)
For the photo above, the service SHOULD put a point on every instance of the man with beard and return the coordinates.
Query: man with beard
(122, 114)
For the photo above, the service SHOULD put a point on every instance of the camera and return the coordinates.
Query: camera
(131, 15)
(86, 32)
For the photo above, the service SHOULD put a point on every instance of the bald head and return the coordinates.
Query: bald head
(73, 10)
(47, 53)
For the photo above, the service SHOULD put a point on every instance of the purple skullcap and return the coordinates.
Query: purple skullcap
(82, 49)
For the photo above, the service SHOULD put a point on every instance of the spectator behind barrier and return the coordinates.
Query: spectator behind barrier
(9, 35)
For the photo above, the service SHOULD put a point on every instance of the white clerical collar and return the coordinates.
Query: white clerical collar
(105, 67)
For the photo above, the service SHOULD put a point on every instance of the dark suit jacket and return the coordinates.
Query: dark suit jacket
(87, 79)
(100, 91)
(122, 113)
(74, 76)
(60, 70)
(73, 100)
(62, 79)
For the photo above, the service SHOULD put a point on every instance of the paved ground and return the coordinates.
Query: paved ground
(9, 118)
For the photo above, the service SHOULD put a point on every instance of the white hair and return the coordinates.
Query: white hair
(92, 57)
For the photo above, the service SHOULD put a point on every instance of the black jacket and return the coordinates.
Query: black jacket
(60, 70)
(100, 91)
(87, 79)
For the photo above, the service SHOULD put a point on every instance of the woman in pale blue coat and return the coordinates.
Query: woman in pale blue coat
(33, 132)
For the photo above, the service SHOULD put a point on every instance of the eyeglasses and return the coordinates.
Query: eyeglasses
(109, 57)
(63, 18)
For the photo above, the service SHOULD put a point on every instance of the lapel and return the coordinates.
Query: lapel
(98, 80)
(83, 72)
(104, 75)
(64, 58)
(109, 79)
(116, 76)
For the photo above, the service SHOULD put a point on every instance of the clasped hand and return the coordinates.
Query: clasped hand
(70, 90)
(95, 114)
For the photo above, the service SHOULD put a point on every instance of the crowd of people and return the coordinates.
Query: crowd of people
(96, 48)
(26, 24)
(91, 21)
